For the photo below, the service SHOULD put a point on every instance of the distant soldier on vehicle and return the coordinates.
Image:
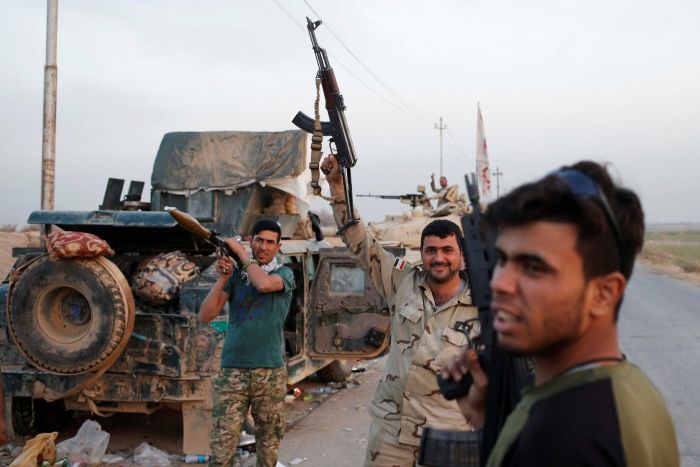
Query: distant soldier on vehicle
(253, 372)
(445, 194)
(431, 310)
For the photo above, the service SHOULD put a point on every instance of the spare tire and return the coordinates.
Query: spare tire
(70, 316)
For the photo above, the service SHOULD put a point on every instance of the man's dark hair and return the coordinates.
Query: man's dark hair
(442, 228)
(266, 224)
(551, 199)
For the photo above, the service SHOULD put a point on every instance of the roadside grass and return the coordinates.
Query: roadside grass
(680, 249)
(689, 236)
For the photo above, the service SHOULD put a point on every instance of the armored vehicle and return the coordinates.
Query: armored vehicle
(77, 334)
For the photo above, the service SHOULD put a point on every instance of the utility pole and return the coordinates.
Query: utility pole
(440, 127)
(48, 144)
(498, 174)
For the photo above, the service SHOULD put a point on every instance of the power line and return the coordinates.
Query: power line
(426, 115)
(408, 112)
(454, 140)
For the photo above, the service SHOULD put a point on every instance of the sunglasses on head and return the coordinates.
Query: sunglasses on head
(584, 187)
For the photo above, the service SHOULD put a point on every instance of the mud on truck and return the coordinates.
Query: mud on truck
(80, 334)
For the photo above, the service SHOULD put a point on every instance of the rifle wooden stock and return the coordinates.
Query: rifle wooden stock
(192, 225)
(330, 88)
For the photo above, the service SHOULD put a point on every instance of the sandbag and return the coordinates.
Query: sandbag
(160, 278)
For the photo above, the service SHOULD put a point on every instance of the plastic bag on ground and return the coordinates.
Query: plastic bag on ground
(41, 447)
(89, 443)
(145, 454)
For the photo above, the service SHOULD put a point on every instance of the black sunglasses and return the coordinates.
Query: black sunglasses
(583, 187)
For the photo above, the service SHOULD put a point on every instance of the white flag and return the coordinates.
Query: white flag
(482, 157)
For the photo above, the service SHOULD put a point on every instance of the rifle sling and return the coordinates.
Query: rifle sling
(316, 146)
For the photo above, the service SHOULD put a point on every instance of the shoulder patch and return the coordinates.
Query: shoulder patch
(400, 264)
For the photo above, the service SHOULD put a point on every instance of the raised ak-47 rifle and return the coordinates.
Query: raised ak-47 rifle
(336, 127)
(507, 374)
(192, 225)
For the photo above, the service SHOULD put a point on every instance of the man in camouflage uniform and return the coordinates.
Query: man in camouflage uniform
(253, 372)
(431, 312)
(441, 195)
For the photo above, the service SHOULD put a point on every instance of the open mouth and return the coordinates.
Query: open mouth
(504, 321)
(505, 316)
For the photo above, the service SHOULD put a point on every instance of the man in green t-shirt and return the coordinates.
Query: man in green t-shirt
(565, 251)
(253, 372)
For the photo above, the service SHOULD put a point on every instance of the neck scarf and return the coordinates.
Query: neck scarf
(273, 265)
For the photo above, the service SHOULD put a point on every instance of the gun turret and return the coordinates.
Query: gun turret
(414, 199)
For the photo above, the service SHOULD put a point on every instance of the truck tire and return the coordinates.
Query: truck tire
(70, 316)
(33, 416)
(336, 372)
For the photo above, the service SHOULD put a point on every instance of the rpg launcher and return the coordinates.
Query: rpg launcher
(336, 127)
(507, 374)
(414, 199)
(192, 225)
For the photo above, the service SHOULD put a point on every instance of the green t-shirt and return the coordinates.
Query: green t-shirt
(254, 338)
(602, 416)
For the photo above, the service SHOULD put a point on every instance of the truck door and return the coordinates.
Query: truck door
(347, 316)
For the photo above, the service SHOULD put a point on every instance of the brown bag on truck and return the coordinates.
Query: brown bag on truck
(160, 278)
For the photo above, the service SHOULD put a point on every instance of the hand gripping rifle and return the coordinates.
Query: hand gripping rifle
(192, 225)
(414, 199)
(336, 127)
(507, 375)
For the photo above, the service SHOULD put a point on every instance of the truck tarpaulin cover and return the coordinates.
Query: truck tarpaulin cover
(188, 162)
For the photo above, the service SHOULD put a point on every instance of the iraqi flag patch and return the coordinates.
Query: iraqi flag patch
(400, 264)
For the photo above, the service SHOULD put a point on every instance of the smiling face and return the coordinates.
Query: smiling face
(441, 257)
(265, 245)
(540, 295)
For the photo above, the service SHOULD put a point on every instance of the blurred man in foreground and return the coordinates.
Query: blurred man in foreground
(565, 250)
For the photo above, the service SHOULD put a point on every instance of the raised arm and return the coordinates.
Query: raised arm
(379, 263)
(260, 279)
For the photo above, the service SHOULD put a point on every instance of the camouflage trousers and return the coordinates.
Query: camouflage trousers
(237, 389)
(384, 450)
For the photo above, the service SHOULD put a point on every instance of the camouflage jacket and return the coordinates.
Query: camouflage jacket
(423, 338)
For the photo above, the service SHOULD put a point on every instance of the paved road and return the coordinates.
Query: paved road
(660, 332)
(336, 432)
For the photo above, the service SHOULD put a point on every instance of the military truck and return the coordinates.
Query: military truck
(76, 335)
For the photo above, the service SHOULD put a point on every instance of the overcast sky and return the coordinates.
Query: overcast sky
(558, 81)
